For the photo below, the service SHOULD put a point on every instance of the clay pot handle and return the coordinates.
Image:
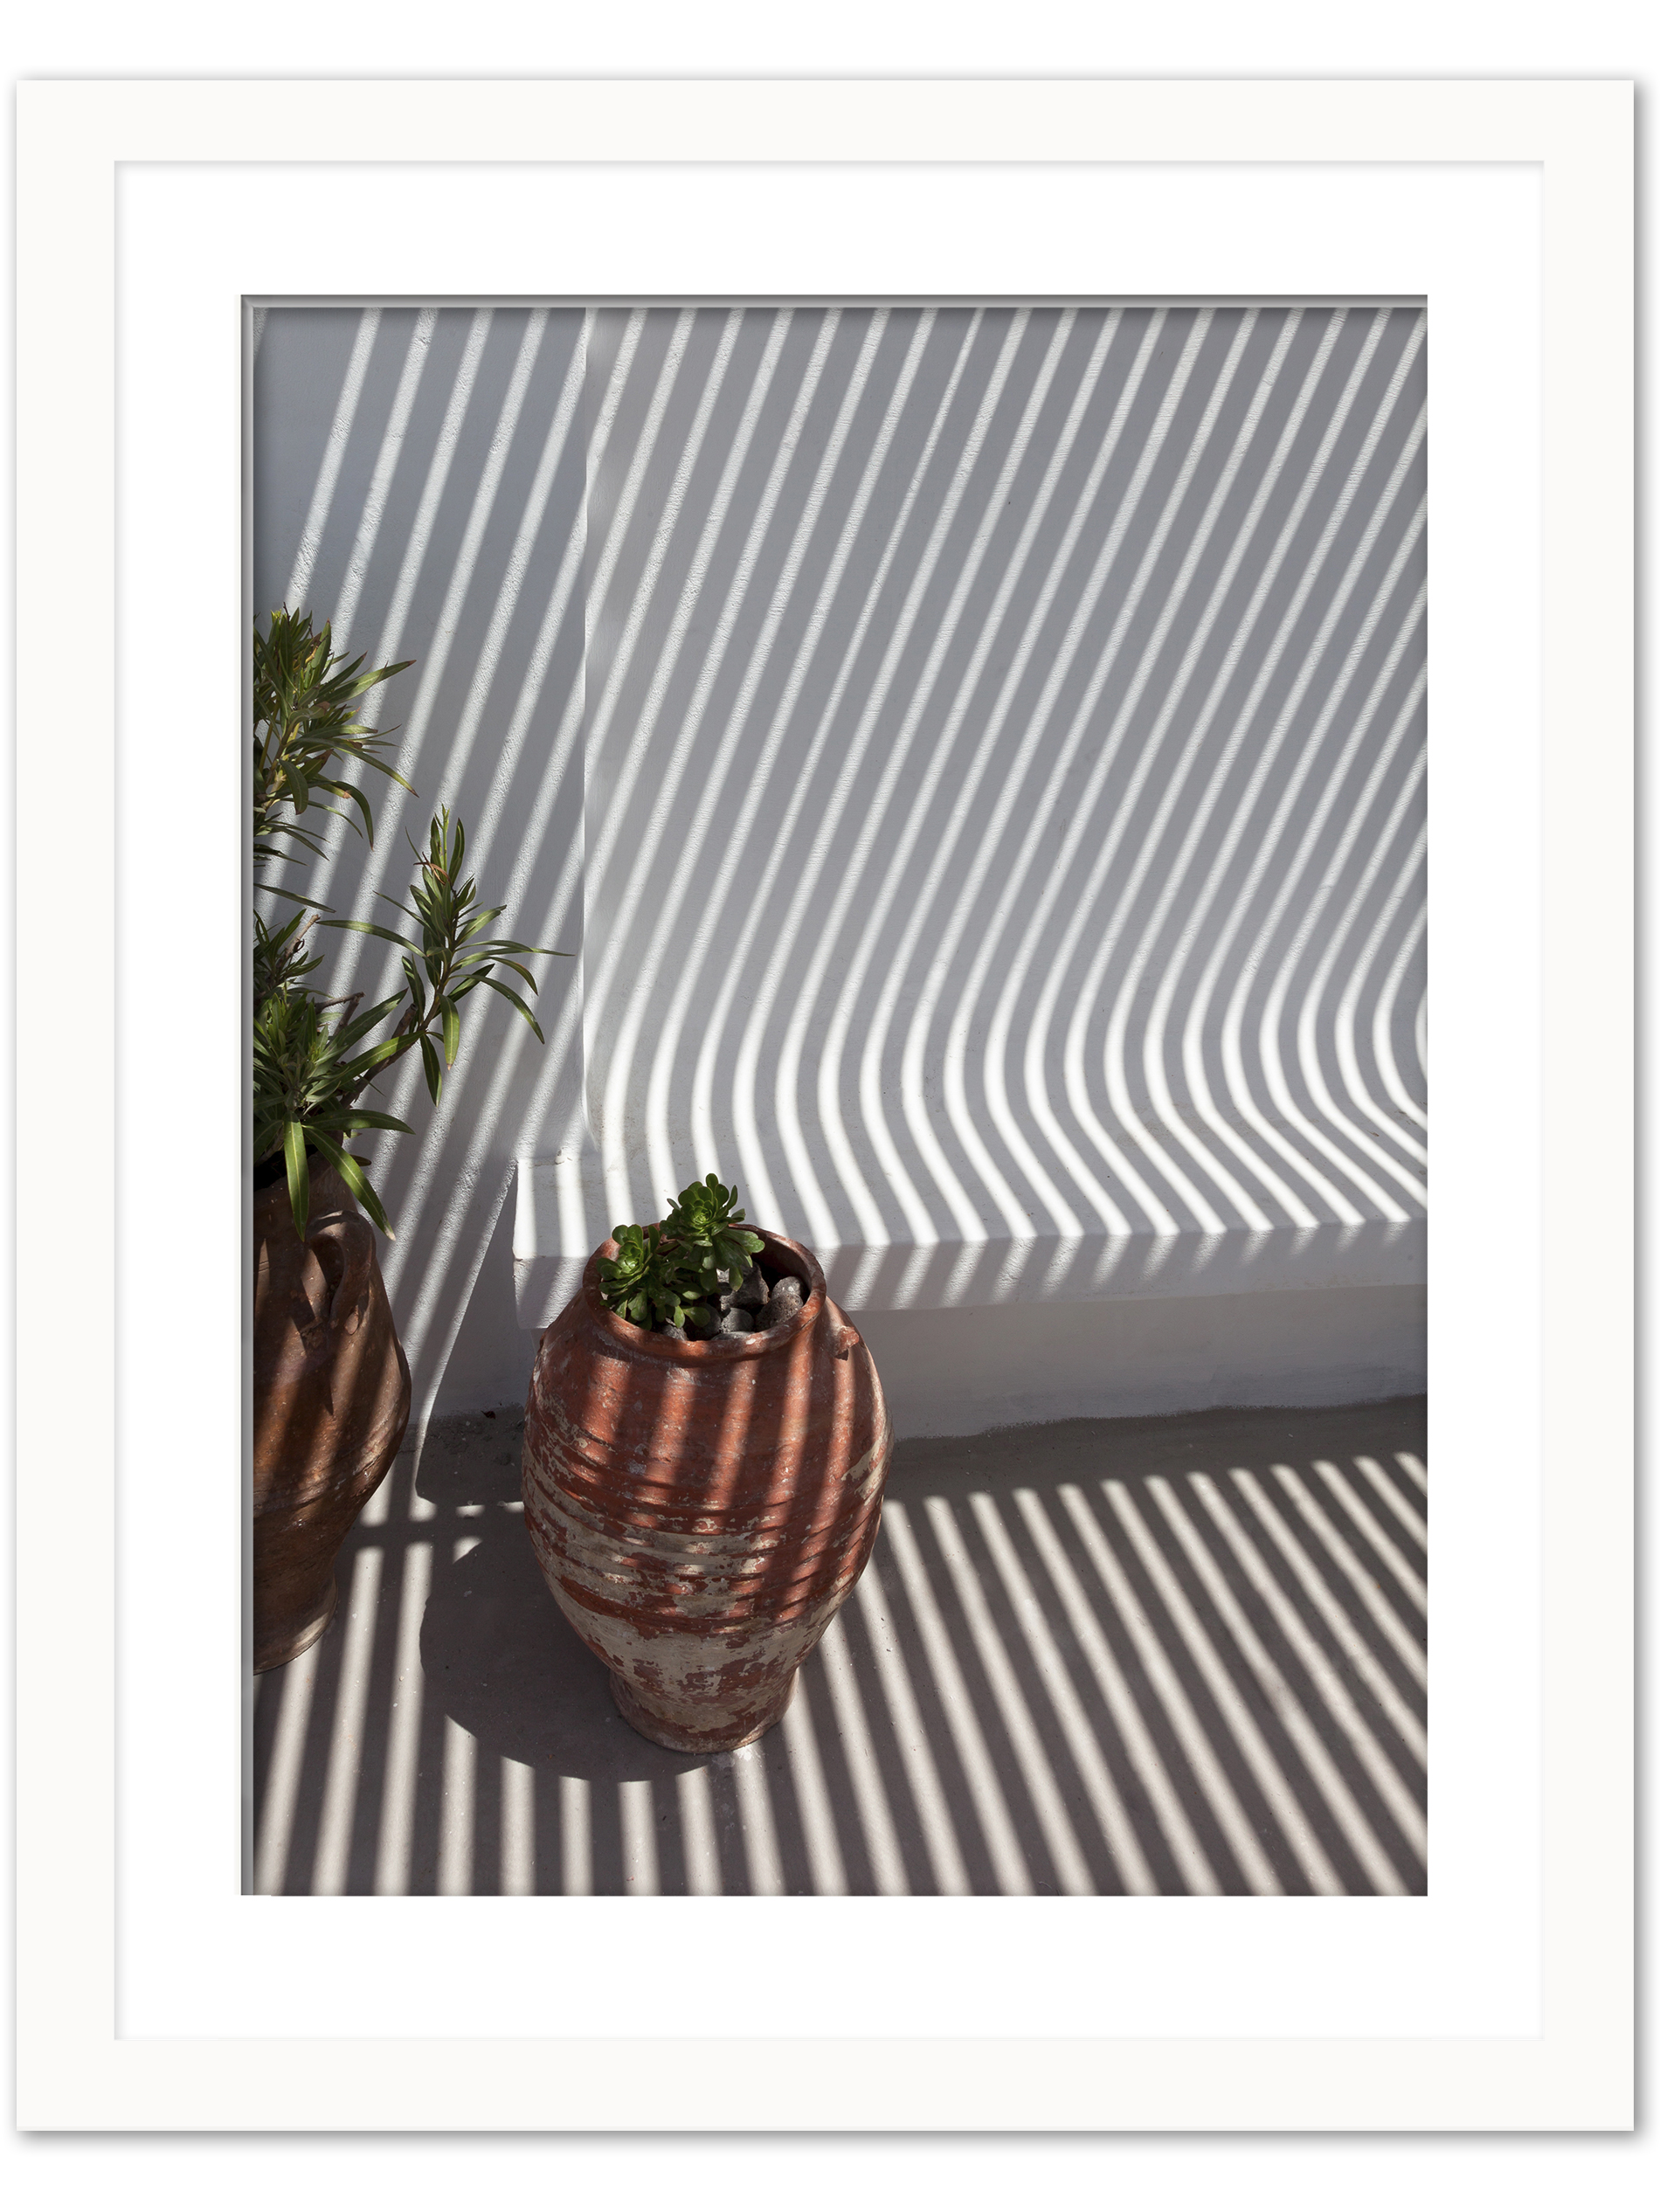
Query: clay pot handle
(847, 1337)
(345, 1244)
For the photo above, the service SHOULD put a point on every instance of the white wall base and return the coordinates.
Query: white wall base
(968, 1339)
(960, 1371)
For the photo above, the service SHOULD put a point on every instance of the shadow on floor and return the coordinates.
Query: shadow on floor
(1163, 1656)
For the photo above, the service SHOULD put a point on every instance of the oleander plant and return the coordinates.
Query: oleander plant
(314, 1055)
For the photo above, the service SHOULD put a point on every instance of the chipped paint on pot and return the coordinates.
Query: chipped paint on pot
(700, 1510)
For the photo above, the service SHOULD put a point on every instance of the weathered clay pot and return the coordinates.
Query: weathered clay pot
(331, 1404)
(700, 1510)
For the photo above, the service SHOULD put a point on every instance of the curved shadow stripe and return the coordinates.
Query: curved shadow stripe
(977, 754)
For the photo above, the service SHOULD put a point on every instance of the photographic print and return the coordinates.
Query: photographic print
(840, 1048)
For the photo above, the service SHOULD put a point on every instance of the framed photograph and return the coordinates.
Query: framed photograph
(149, 216)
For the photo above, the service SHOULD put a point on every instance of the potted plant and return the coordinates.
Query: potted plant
(331, 1385)
(705, 1448)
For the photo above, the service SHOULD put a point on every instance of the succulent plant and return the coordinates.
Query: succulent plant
(703, 1223)
(648, 1281)
(670, 1271)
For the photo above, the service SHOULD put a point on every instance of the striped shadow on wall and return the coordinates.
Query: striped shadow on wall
(1005, 805)
(978, 754)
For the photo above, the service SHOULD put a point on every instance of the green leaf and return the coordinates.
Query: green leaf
(506, 992)
(417, 988)
(368, 930)
(356, 1182)
(287, 829)
(374, 676)
(360, 1118)
(277, 891)
(434, 1072)
(294, 1150)
(496, 960)
(452, 1033)
(389, 1048)
(349, 1032)
(351, 791)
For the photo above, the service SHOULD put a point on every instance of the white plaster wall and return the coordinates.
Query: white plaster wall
(418, 477)
(980, 756)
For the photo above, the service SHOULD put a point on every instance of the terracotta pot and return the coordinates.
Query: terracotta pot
(700, 1510)
(331, 1404)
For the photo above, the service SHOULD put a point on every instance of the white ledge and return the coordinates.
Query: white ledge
(561, 1215)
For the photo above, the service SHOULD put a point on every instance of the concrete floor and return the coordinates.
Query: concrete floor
(1157, 1655)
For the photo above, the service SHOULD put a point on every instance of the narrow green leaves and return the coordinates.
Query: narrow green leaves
(312, 1057)
(506, 991)
(304, 720)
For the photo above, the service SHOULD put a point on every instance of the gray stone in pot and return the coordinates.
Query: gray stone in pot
(786, 1299)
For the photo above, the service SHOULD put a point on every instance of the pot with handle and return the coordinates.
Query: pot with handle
(331, 1397)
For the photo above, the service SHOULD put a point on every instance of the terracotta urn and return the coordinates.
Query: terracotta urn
(330, 1403)
(700, 1510)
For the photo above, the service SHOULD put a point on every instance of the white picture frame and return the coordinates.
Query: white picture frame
(129, 1712)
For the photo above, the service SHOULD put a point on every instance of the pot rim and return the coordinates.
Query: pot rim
(271, 1199)
(315, 1161)
(755, 1344)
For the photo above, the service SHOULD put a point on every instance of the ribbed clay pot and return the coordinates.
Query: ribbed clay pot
(330, 1403)
(701, 1511)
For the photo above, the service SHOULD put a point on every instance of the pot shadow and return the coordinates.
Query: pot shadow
(602, 1809)
(499, 1656)
(507, 1666)
(605, 1813)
